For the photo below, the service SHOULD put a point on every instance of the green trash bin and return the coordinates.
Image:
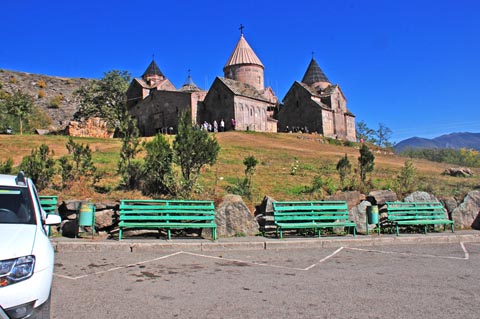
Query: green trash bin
(372, 216)
(86, 216)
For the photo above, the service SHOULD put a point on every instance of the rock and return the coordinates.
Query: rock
(381, 197)
(358, 214)
(466, 215)
(420, 197)
(105, 219)
(233, 218)
(69, 228)
(92, 127)
(264, 214)
(450, 203)
(353, 198)
(458, 172)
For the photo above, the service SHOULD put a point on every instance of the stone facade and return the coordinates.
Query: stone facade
(240, 96)
(316, 105)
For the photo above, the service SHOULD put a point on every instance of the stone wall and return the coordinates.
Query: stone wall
(92, 127)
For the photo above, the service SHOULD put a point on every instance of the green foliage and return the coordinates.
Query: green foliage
(464, 157)
(157, 169)
(294, 167)
(6, 167)
(406, 180)
(19, 105)
(364, 133)
(106, 98)
(344, 169)
(365, 162)
(129, 169)
(55, 102)
(321, 186)
(39, 166)
(193, 149)
(244, 187)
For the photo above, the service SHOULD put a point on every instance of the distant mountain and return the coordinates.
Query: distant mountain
(453, 140)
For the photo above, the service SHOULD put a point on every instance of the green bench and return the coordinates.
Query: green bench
(49, 204)
(167, 214)
(314, 215)
(416, 213)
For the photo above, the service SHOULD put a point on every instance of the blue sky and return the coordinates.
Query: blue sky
(411, 65)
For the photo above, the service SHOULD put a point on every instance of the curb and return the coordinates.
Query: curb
(254, 243)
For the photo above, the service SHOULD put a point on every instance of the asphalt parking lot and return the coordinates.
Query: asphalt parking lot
(425, 280)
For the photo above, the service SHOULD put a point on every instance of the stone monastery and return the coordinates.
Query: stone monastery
(241, 101)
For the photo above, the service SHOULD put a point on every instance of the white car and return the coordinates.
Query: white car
(26, 253)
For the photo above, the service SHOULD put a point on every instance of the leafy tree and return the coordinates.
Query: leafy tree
(192, 149)
(80, 165)
(157, 169)
(19, 105)
(365, 162)
(106, 98)
(364, 133)
(128, 167)
(344, 169)
(406, 178)
(383, 135)
(40, 166)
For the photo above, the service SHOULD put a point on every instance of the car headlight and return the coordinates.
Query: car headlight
(15, 270)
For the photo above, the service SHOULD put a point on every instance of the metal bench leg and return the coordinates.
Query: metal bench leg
(169, 233)
(396, 229)
(120, 233)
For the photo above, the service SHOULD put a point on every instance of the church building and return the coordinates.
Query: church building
(316, 105)
(241, 95)
(156, 104)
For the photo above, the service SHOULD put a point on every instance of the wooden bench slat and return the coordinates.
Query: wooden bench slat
(416, 213)
(167, 214)
(311, 214)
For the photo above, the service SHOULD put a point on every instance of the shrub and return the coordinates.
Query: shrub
(40, 166)
(6, 167)
(56, 101)
(12, 79)
(41, 84)
(41, 94)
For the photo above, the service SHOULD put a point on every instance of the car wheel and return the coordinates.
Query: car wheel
(43, 312)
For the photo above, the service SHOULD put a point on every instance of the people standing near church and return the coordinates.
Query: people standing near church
(222, 126)
(215, 126)
(233, 124)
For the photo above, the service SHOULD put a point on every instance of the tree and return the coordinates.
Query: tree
(157, 169)
(106, 98)
(19, 105)
(383, 135)
(364, 133)
(192, 149)
(40, 166)
(406, 178)
(344, 168)
(128, 167)
(365, 162)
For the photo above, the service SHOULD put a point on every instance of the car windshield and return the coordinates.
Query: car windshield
(16, 206)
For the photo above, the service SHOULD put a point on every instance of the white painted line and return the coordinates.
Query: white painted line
(326, 258)
(119, 267)
(244, 262)
(413, 255)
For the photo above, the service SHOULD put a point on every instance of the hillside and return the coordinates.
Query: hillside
(453, 140)
(275, 152)
(43, 89)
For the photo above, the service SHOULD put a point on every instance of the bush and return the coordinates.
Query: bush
(41, 84)
(41, 94)
(56, 101)
(39, 166)
(6, 167)
(12, 79)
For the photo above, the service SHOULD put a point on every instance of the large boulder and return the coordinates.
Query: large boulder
(358, 214)
(381, 197)
(233, 218)
(264, 214)
(420, 197)
(105, 219)
(353, 198)
(458, 172)
(466, 215)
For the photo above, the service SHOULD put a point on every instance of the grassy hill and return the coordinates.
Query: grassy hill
(275, 152)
